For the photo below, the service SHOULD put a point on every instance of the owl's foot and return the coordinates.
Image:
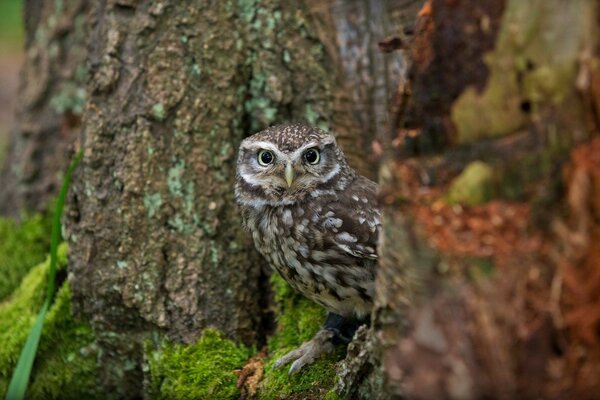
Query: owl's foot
(337, 330)
(308, 352)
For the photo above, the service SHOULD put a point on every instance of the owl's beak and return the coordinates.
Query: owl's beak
(289, 174)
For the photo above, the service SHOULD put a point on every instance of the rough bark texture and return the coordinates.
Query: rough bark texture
(367, 77)
(50, 102)
(156, 245)
(492, 299)
(362, 26)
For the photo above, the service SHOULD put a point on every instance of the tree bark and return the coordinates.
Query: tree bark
(51, 98)
(156, 244)
(52, 92)
(486, 281)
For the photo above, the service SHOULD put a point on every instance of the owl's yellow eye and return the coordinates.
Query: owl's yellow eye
(265, 157)
(312, 156)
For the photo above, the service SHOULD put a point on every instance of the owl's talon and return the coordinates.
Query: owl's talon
(308, 352)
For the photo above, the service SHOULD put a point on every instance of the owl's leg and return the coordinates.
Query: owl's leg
(344, 328)
(337, 329)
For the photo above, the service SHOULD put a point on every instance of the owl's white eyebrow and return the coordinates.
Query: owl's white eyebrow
(301, 150)
(263, 145)
(266, 146)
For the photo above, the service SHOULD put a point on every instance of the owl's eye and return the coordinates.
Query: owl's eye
(312, 156)
(265, 157)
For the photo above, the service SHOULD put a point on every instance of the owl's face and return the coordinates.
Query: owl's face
(284, 164)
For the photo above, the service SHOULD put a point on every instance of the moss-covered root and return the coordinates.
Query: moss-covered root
(207, 369)
(298, 320)
(65, 366)
(203, 370)
(21, 247)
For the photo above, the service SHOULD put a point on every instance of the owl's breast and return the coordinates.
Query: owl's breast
(292, 241)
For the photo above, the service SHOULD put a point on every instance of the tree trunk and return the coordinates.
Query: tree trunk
(50, 103)
(488, 281)
(156, 244)
(53, 93)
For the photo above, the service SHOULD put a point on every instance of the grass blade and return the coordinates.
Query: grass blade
(56, 228)
(22, 372)
(20, 378)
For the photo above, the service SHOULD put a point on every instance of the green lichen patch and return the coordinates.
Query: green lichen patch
(298, 321)
(158, 111)
(65, 364)
(21, 247)
(152, 203)
(203, 370)
(473, 186)
(70, 98)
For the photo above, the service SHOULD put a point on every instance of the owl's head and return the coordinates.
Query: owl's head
(285, 164)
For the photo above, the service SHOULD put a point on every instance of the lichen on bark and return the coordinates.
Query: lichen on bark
(157, 243)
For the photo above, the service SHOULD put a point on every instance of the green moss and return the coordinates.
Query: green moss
(473, 186)
(298, 321)
(203, 370)
(21, 247)
(65, 364)
(332, 395)
(533, 64)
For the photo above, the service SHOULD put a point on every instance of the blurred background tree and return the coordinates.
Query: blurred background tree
(11, 43)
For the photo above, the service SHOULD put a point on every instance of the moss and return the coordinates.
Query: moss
(473, 186)
(206, 368)
(332, 395)
(65, 364)
(530, 66)
(21, 247)
(298, 321)
(203, 370)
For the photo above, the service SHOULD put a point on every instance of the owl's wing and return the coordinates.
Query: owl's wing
(353, 222)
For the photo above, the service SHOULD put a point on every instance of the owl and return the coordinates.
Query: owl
(315, 221)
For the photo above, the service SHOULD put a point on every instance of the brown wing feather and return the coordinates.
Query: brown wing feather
(353, 222)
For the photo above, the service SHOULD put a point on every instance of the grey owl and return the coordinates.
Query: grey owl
(316, 222)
